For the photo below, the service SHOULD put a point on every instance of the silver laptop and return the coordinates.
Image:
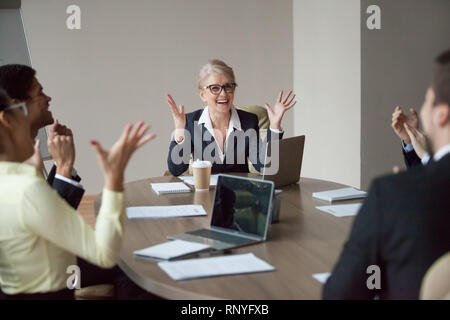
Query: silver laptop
(241, 214)
(289, 165)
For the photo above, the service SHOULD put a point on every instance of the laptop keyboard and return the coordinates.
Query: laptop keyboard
(210, 234)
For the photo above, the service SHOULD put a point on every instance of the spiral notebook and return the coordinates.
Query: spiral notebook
(170, 187)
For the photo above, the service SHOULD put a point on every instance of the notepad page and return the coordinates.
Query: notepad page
(342, 210)
(322, 277)
(340, 194)
(170, 187)
(171, 249)
(209, 267)
(157, 212)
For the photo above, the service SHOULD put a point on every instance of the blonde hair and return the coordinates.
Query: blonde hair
(214, 66)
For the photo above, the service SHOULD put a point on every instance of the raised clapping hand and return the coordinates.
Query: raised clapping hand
(276, 113)
(417, 139)
(179, 118)
(115, 160)
(62, 148)
(398, 121)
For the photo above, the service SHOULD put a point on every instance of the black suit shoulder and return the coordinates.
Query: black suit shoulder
(402, 228)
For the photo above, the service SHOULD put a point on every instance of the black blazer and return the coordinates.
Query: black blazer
(67, 191)
(248, 121)
(403, 227)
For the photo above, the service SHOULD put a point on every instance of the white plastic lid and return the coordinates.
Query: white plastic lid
(201, 164)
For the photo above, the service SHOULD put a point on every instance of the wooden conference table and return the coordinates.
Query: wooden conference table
(305, 241)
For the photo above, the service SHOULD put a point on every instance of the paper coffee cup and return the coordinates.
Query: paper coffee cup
(202, 173)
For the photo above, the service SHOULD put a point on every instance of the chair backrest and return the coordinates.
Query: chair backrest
(436, 283)
(261, 112)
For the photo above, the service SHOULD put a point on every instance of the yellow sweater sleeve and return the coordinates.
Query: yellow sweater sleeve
(45, 213)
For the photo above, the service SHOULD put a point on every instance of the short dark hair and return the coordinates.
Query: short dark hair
(4, 103)
(4, 99)
(441, 79)
(16, 80)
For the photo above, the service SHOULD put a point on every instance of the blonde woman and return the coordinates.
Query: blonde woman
(219, 132)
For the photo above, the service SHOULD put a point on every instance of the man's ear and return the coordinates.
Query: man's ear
(14, 101)
(6, 119)
(442, 114)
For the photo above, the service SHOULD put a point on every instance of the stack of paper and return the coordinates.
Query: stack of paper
(209, 267)
(156, 212)
(322, 277)
(190, 179)
(170, 187)
(340, 194)
(171, 249)
(342, 210)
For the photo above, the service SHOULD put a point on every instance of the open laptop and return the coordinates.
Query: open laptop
(241, 214)
(289, 159)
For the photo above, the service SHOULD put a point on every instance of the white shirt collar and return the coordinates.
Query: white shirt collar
(442, 152)
(234, 120)
(234, 123)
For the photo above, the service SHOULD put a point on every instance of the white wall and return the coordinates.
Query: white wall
(128, 54)
(327, 79)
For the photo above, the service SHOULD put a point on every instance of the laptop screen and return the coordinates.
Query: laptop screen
(242, 205)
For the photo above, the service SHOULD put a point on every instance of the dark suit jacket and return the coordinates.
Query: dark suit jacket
(403, 227)
(67, 191)
(197, 131)
(411, 159)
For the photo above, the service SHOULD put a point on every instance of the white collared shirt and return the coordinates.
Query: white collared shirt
(438, 155)
(234, 123)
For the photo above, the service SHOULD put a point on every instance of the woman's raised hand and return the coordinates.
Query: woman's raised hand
(115, 160)
(276, 113)
(179, 118)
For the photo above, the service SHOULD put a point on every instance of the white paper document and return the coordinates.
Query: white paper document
(322, 277)
(170, 187)
(339, 194)
(171, 249)
(156, 212)
(217, 266)
(190, 179)
(342, 210)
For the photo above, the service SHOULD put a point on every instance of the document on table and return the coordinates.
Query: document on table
(156, 212)
(170, 187)
(171, 249)
(342, 210)
(322, 277)
(217, 266)
(190, 179)
(340, 194)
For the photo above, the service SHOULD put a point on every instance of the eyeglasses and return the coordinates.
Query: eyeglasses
(22, 105)
(217, 89)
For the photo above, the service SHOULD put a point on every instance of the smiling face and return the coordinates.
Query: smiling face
(38, 104)
(221, 103)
